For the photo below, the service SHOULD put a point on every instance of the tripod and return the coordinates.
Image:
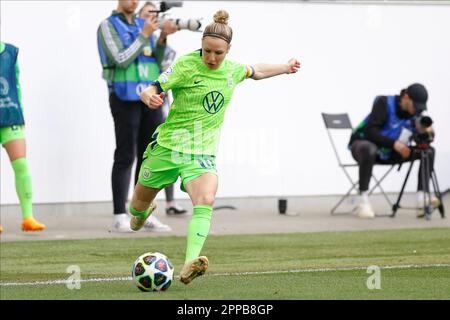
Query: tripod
(425, 166)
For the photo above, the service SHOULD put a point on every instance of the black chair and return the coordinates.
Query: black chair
(341, 121)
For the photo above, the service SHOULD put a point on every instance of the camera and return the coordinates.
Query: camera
(424, 121)
(186, 24)
(423, 139)
(165, 6)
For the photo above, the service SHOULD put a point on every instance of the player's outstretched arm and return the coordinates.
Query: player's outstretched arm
(151, 97)
(263, 70)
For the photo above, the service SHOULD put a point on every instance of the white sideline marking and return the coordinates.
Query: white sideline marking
(408, 266)
(65, 281)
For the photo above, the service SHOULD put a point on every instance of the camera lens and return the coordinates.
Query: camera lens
(425, 121)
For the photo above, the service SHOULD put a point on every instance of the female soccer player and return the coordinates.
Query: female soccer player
(202, 83)
(12, 134)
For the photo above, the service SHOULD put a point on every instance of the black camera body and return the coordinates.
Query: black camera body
(165, 5)
(423, 140)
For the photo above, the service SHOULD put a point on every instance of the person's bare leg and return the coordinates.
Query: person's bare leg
(202, 192)
(142, 205)
(203, 189)
(16, 149)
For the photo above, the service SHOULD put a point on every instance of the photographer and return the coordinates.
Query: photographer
(384, 137)
(131, 56)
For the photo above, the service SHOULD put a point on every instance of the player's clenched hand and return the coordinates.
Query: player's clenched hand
(156, 100)
(293, 66)
(153, 100)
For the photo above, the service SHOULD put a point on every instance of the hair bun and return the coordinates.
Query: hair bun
(221, 16)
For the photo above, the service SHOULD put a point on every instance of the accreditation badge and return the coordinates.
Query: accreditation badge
(147, 51)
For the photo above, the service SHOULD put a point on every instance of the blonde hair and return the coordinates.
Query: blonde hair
(219, 28)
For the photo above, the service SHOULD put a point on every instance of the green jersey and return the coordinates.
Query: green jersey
(200, 98)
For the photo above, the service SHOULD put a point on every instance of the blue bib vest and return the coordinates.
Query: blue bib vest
(392, 127)
(10, 109)
(394, 124)
(143, 71)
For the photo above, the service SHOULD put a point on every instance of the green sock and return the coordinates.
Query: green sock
(139, 214)
(198, 230)
(23, 186)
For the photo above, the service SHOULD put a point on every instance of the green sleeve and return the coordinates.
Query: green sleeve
(173, 76)
(239, 72)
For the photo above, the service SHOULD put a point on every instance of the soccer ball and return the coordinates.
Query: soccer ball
(152, 271)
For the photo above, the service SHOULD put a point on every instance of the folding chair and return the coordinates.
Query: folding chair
(342, 122)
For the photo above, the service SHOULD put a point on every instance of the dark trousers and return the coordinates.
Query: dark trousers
(134, 125)
(365, 153)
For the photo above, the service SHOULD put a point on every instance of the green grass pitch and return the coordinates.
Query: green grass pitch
(415, 264)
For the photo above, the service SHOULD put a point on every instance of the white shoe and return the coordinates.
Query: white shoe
(153, 224)
(122, 223)
(364, 210)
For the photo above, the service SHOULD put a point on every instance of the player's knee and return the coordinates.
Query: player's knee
(206, 199)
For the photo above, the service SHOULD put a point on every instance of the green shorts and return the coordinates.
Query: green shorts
(161, 167)
(8, 134)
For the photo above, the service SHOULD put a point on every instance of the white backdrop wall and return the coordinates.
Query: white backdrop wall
(273, 140)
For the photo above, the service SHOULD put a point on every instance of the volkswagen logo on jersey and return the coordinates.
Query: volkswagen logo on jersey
(213, 102)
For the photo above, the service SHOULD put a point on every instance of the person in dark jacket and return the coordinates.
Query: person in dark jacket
(384, 136)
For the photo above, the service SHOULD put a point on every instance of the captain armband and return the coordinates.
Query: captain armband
(250, 72)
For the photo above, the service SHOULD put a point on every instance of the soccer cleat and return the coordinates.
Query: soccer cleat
(136, 223)
(31, 224)
(364, 210)
(193, 269)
